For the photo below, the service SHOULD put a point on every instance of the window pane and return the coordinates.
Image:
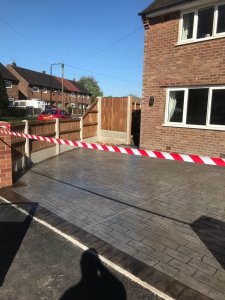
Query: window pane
(221, 19)
(176, 104)
(218, 107)
(188, 24)
(197, 106)
(205, 22)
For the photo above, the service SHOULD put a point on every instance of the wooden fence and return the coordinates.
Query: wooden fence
(90, 121)
(108, 120)
(116, 119)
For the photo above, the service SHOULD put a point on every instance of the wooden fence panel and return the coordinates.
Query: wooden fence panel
(42, 128)
(69, 129)
(114, 114)
(90, 121)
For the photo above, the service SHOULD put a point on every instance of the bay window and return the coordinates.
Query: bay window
(196, 107)
(203, 23)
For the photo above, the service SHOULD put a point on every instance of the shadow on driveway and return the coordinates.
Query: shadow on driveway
(97, 282)
(13, 228)
(212, 233)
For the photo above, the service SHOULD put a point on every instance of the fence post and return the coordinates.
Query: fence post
(6, 158)
(27, 144)
(81, 129)
(129, 119)
(99, 118)
(57, 135)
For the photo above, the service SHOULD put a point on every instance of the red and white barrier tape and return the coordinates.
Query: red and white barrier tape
(131, 151)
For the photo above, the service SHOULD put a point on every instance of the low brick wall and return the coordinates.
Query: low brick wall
(5, 159)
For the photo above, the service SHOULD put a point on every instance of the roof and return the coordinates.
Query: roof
(82, 88)
(68, 85)
(6, 74)
(38, 78)
(158, 5)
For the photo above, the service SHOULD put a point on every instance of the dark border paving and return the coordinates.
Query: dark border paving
(159, 280)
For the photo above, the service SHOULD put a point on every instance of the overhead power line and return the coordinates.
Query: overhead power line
(104, 75)
(22, 36)
(112, 44)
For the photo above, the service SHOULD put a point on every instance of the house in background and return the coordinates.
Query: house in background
(183, 108)
(36, 85)
(11, 84)
(83, 98)
(39, 85)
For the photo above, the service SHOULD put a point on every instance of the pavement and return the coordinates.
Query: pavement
(37, 263)
(162, 220)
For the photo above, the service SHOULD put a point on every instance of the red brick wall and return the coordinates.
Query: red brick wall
(168, 65)
(23, 84)
(13, 92)
(5, 159)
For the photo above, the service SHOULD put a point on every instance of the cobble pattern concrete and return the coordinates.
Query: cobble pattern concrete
(169, 215)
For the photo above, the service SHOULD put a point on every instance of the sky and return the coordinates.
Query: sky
(103, 39)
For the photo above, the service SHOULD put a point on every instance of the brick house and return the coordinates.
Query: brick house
(83, 98)
(183, 108)
(76, 96)
(11, 83)
(39, 85)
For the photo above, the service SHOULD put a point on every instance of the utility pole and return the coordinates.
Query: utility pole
(62, 85)
(62, 65)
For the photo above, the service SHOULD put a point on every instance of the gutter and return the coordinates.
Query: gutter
(172, 8)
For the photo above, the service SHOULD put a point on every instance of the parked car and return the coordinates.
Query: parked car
(53, 113)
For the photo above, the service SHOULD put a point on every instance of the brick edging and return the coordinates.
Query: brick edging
(148, 274)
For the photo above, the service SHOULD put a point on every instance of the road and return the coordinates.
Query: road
(37, 263)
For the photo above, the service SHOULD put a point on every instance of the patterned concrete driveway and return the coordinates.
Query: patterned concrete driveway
(169, 215)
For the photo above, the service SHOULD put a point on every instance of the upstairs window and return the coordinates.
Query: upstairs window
(8, 84)
(188, 25)
(45, 90)
(35, 89)
(203, 23)
(221, 19)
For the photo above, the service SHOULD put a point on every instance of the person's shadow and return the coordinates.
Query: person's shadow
(97, 281)
(13, 228)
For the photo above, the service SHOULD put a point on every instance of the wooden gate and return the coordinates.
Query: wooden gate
(115, 120)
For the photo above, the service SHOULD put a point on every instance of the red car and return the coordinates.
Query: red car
(53, 113)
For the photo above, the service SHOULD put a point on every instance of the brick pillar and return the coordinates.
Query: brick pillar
(5, 158)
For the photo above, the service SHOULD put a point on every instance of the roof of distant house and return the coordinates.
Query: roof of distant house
(68, 85)
(158, 5)
(38, 78)
(81, 87)
(6, 74)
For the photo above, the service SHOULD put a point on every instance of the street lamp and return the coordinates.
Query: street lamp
(62, 65)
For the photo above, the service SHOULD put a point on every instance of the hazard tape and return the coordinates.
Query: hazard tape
(124, 150)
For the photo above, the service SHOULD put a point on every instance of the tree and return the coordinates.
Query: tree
(3, 94)
(89, 83)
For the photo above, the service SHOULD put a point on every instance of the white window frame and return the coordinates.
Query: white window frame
(9, 82)
(35, 87)
(195, 25)
(184, 119)
(44, 90)
(11, 100)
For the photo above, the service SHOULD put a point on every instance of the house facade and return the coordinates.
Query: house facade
(39, 85)
(11, 84)
(183, 107)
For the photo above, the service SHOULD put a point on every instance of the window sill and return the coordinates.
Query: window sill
(181, 43)
(218, 128)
